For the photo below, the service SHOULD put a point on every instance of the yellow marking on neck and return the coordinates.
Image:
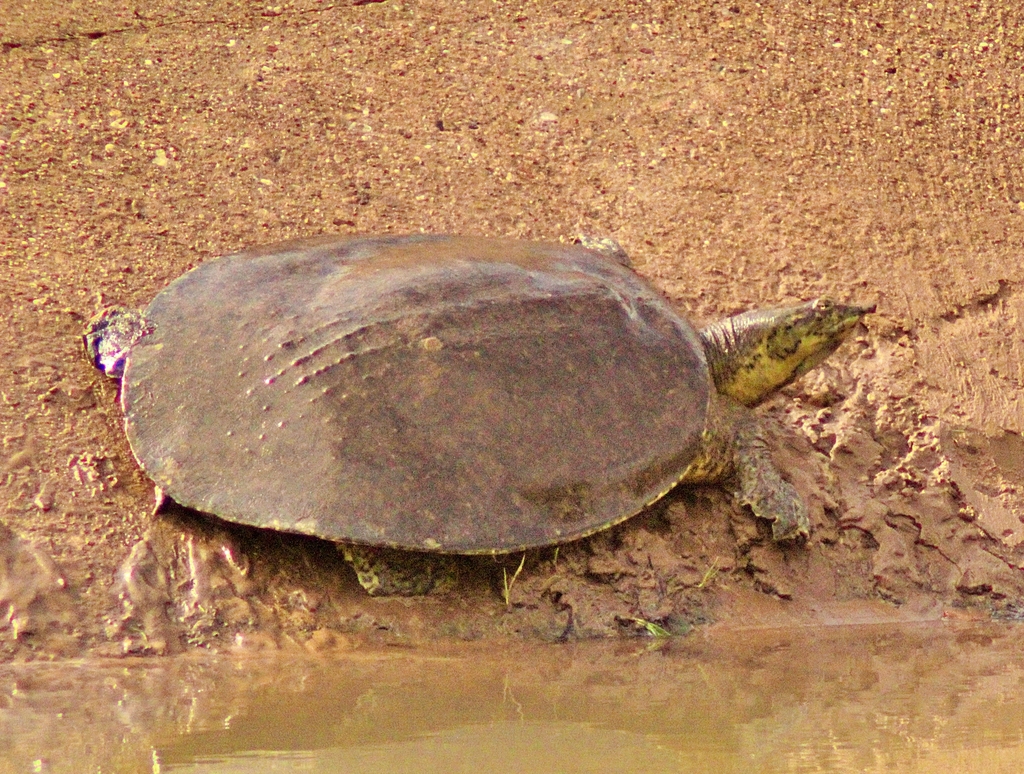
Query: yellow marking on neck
(769, 366)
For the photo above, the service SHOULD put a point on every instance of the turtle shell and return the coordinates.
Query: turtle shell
(462, 395)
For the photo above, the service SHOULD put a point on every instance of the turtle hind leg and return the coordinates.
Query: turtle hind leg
(760, 485)
(388, 572)
(110, 336)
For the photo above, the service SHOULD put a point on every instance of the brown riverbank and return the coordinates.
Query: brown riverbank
(744, 157)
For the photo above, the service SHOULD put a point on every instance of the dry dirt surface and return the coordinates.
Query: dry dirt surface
(744, 154)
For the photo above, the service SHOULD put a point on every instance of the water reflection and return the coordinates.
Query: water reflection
(937, 697)
(499, 748)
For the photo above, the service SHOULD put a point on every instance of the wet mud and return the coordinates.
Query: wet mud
(743, 156)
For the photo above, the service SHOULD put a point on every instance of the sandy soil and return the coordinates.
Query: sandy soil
(745, 156)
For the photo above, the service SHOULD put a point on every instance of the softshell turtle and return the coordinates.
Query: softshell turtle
(451, 395)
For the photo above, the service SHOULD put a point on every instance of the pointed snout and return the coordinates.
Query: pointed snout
(843, 317)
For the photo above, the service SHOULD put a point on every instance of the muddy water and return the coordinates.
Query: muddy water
(922, 698)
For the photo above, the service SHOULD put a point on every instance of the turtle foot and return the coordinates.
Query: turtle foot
(386, 572)
(771, 498)
(760, 485)
(605, 245)
(109, 337)
(791, 521)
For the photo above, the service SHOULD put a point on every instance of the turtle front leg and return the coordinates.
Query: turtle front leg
(760, 485)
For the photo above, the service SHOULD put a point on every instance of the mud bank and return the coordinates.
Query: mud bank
(743, 156)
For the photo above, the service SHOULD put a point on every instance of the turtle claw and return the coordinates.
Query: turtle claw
(771, 498)
(794, 526)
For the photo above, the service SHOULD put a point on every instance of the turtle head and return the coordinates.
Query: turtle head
(754, 354)
(109, 337)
